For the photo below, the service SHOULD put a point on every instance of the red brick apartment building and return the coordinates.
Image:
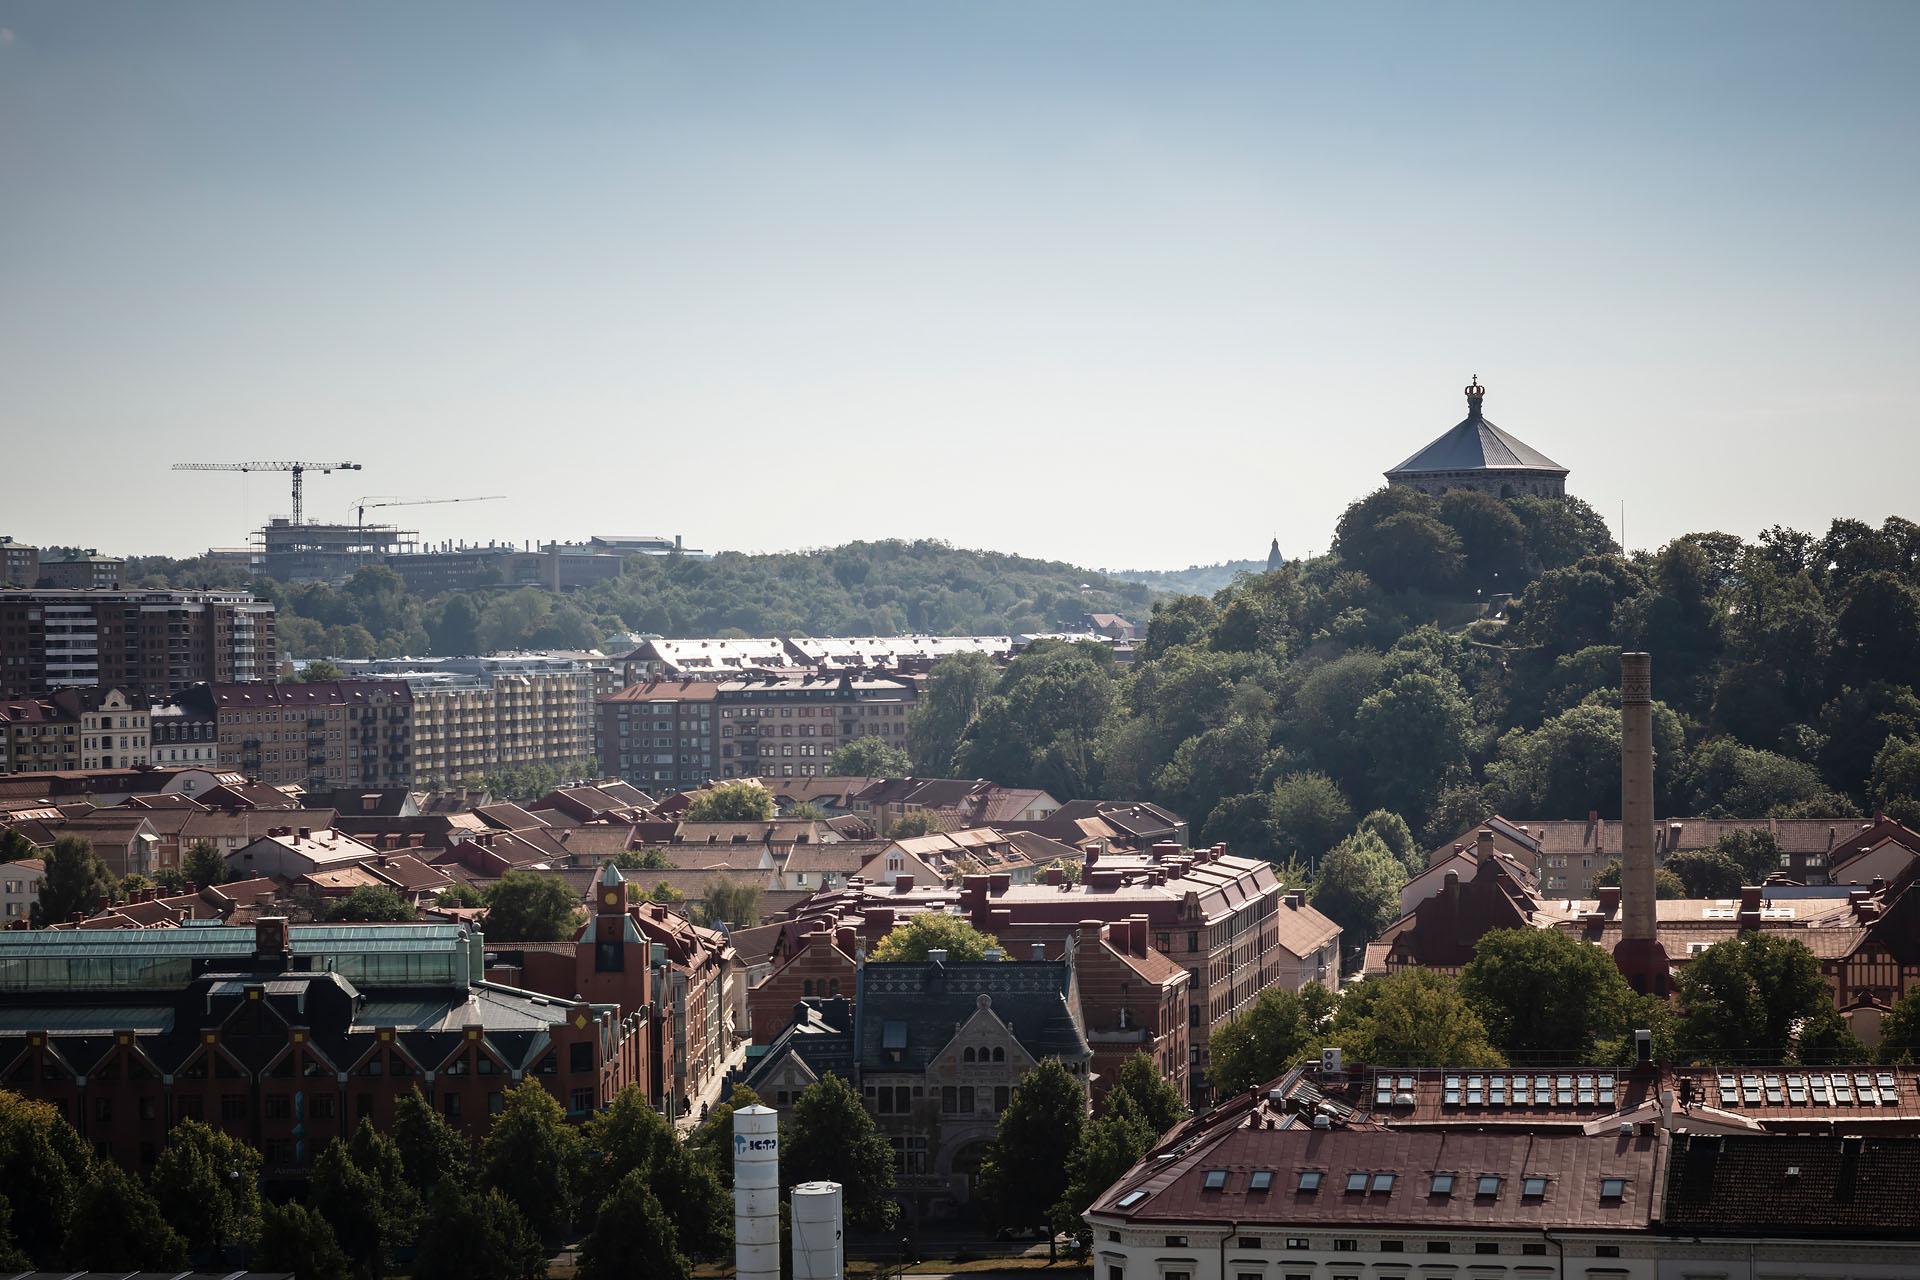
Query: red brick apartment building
(639, 957)
(684, 732)
(152, 644)
(330, 733)
(287, 1037)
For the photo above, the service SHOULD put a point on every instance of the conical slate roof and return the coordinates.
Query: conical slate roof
(1475, 444)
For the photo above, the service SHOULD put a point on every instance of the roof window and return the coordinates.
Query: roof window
(1131, 1199)
(1261, 1180)
(1309, 1180)
(1533, 1188)
(1356, 1182)
(1612, 1188)
(1216, 1180)
(1489, 1185)
(1442, 1185)
(1383, 1182)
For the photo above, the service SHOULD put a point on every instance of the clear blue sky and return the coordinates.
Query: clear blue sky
(1128, 284)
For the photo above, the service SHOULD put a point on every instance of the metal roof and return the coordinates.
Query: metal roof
(1475, 444)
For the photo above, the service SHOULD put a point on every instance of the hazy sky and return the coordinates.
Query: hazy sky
(1128, 284)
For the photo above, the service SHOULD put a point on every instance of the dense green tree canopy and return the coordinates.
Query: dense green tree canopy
(869, 757)
(1259, 1044)
(1547, 997)
(743, 801)
(1416, 1017)
(207, 1184)
(1358, 887)
(1742, 998)
(525, 906)
(1152, 1095)
(630, 1136)
(76, 882)
(297, 1239)
(933, 931)
(532, 1156)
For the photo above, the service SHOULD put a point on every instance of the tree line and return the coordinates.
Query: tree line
(862, 588)
(636, 1199)
(1457, 656)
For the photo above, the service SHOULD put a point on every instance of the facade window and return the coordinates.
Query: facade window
(580, 1056)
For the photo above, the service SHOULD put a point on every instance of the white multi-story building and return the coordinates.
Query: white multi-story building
(1541, 1175)
(475, 715)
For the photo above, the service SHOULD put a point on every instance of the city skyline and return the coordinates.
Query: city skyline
(1218, 269)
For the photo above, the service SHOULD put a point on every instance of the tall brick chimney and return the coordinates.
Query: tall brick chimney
(1639, 953)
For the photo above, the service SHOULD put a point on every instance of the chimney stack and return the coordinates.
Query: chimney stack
(1639, 954)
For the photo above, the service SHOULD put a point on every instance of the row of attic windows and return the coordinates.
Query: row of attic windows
(1381, 1182)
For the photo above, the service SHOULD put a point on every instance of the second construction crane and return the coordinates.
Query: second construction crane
(365, 505)
(299, 470)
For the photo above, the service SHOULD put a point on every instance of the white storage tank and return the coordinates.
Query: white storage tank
(819, 1253)
(756, 1193)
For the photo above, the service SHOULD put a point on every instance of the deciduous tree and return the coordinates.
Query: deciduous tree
(1269, 1037)
(1156, 1101)
(828, 1136)
(207, 1184)
(1742, 998)
(933, 931)
(204, 864)
(632, 1238)
(75, 883)
(116, 1226)
(743, 801)
(869, 757)
(532, 1156)
(1415, 1017)
(1358, 888)
(297, 1239)
(44, 1165)
(1024, 1173)
(630, 1136)
(476, 1235)
(1543, 994)
(526, 906)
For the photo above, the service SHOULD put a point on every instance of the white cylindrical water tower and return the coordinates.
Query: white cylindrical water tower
(756, 1193)
(818, 1251)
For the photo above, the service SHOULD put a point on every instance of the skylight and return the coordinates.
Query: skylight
(1216, 1180)
(1612, 1188)
(1261, 1180)
(1442, 1185)
(1356, 1182)
(1131, 1199)
(1383, 1182)
(1533, 1188)
(1310, 1180)
(1489, 1185)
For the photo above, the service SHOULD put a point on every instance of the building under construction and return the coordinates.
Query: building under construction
(297, 552)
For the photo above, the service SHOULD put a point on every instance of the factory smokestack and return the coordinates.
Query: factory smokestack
(1638, 954)
(756, 1193)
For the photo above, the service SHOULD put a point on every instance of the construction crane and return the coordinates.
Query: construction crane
(363, 506)
(299, 470)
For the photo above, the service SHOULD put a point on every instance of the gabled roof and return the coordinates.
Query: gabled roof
(923, 1003)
